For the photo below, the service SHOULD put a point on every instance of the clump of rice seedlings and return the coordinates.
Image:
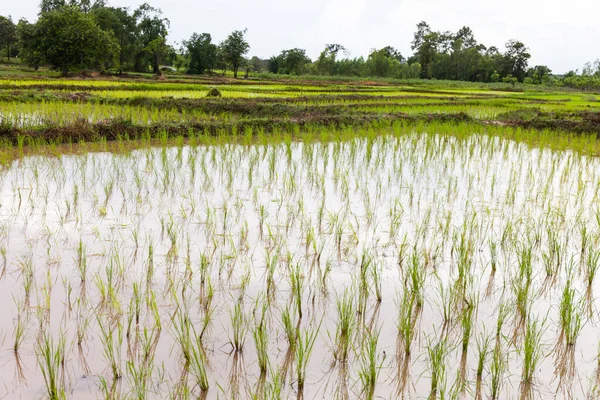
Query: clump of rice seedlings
(141, 371)
(406, 324)
(305, 343)
(592, 265)
(571, 310)
(466, 322)
(484, 343)
(370, 364)
(416, 279)
(437, 366)
(346, 313)
(497, 368)
(570, 315)
(198, 363)
(532, 353)
(261, 341)
(111, 336)
(51, 357)
(274, 387)
(238, 327)
(297, 286)
(291, 335)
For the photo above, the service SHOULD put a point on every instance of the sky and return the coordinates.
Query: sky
(562, 35)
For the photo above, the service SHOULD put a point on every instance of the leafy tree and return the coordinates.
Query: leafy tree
(201, 53)
(380, 63)
(70, 40)
(153, 31)
(119, 22)
(423, 30)
(539, 74)
(516, 59)
(8, 34)
(29, 44)
(291, 62)
(326, 63)
(391, 52)
(51, 5)
(233, 50)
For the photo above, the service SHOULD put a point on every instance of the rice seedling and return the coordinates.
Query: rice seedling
(303, 350)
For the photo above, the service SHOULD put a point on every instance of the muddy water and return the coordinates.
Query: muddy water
(169, 225)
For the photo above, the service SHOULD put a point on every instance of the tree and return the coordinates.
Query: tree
(392, 52)
(29, 44)
(539, 74)
(153, 31)
(51, 5)
(122, 25)
(379, 63)
(423, 30)
(70, 40)
(291, 62)
(201, 53)
(234, 48)
(516, 59)
(326, 62)
(8, 34)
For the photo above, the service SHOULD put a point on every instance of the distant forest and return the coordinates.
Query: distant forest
(71, 36)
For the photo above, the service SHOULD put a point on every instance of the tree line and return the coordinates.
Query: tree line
(75, 35)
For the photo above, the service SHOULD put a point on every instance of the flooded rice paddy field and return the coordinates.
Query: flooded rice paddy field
(387, 265)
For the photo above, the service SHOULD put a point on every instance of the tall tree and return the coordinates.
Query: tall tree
(153, 31)
(516, 59)
(122, 25)
(234, 48)
(326, 62)
(51, 5)
(70, 40)
(29, 44)
(291, 62)
(8, 34)
(201, 53)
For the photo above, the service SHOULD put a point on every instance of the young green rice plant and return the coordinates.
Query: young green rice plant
(571, 311)
(111, 336)
(289, 328)
(370, 363)
(305, 343)
(437, 365)
(141, 370)
(261, 341)
(297, 286)
(466, 322)
(198, 363)
(346, 313)
(50, 357)
(592, 265)
(238, 327)
(532, 352)
(416, 277)
(406, 324)
(497, 369)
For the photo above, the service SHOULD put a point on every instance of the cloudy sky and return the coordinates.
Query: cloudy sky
(562, 35)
